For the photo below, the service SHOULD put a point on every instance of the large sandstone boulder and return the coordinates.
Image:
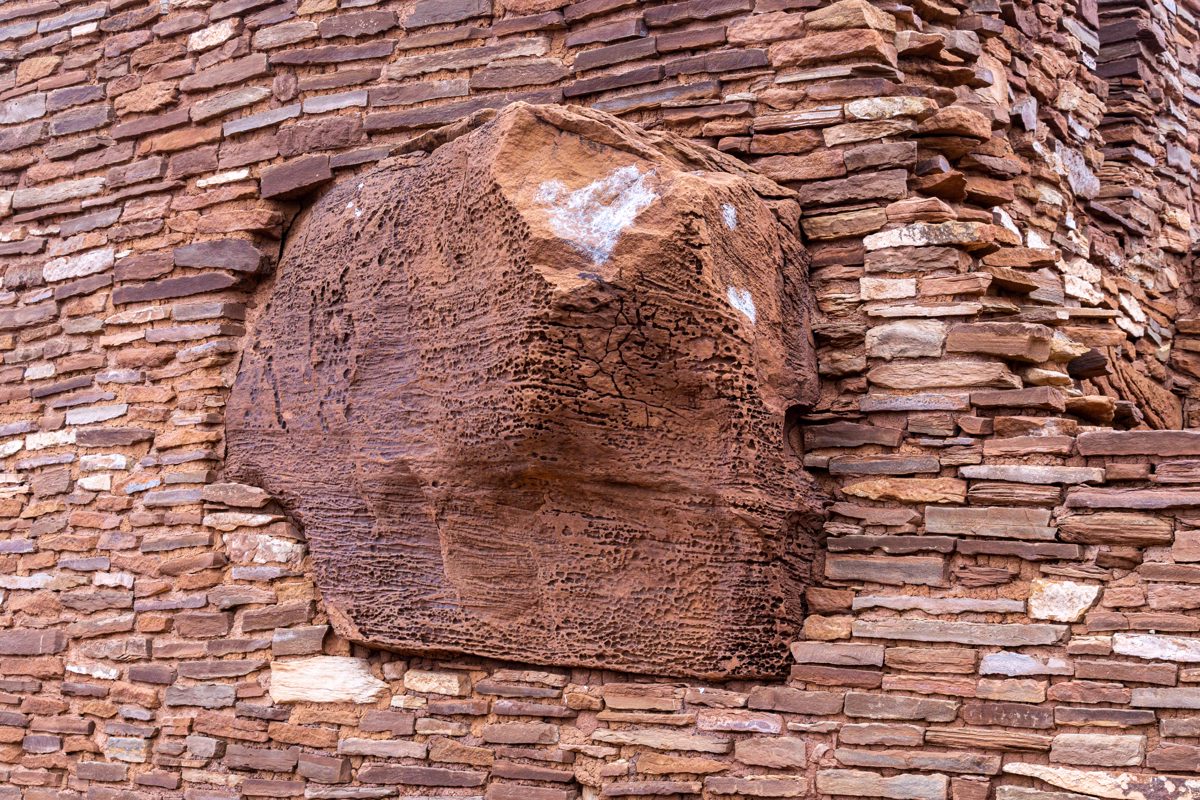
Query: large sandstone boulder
(527, 397)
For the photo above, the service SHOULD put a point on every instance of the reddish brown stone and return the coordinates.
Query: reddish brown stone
(394, 722)
(296, 177)
(614, 54)
(1014, 715)
(224, 74)
(335, 53)
(742, 615)
(1174, 758)
(433, 12)
(32, 643)
(419, 776)
(236, 254)
(620, 80)
(174, 287)
(361, 23)
(694, 10)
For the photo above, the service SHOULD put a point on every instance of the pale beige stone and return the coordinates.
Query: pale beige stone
(910, 490)
(1014, 691)
(1061, 601)
(921, 234)
(824, 629)
(909, 338)
(213, 35)
(450, 683)
(946, 373)
(1099, 750)
(887, 288)
(776, 753)
(57, 192)
(79, 265)
(232, 520)
(849, 14)
(876, 108)
(1157, 647)
(381, 748)
(324, 679)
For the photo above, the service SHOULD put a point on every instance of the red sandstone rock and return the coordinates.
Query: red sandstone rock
(562, 439)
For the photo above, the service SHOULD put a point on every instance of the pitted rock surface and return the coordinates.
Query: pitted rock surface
(527, 397)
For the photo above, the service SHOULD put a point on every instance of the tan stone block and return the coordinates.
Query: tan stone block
(324, 679)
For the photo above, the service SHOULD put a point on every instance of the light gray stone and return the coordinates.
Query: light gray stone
(79, 265)
(262, 119)
(1165, 698)
(23, 109)
(975, 633)
(909, 338)
(1021, 473)
(1019, 664)
(229, 101)
(57, 192)
(857, 783)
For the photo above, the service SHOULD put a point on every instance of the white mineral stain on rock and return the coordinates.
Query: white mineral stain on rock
(729, 214)
(1113, 786)
(742, 300)
(593, 217)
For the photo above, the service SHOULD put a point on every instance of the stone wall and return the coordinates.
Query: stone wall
(997, 197)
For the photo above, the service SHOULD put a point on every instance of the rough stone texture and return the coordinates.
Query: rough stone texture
(1050, 173)
(633, 504)
(1061, 601)
(1098, 749)
(324, 679)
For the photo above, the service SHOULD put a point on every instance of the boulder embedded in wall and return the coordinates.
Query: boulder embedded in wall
(526, 394)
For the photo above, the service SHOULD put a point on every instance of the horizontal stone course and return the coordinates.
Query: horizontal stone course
(974, 633)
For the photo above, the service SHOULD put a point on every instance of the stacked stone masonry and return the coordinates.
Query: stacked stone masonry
(998, 202)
